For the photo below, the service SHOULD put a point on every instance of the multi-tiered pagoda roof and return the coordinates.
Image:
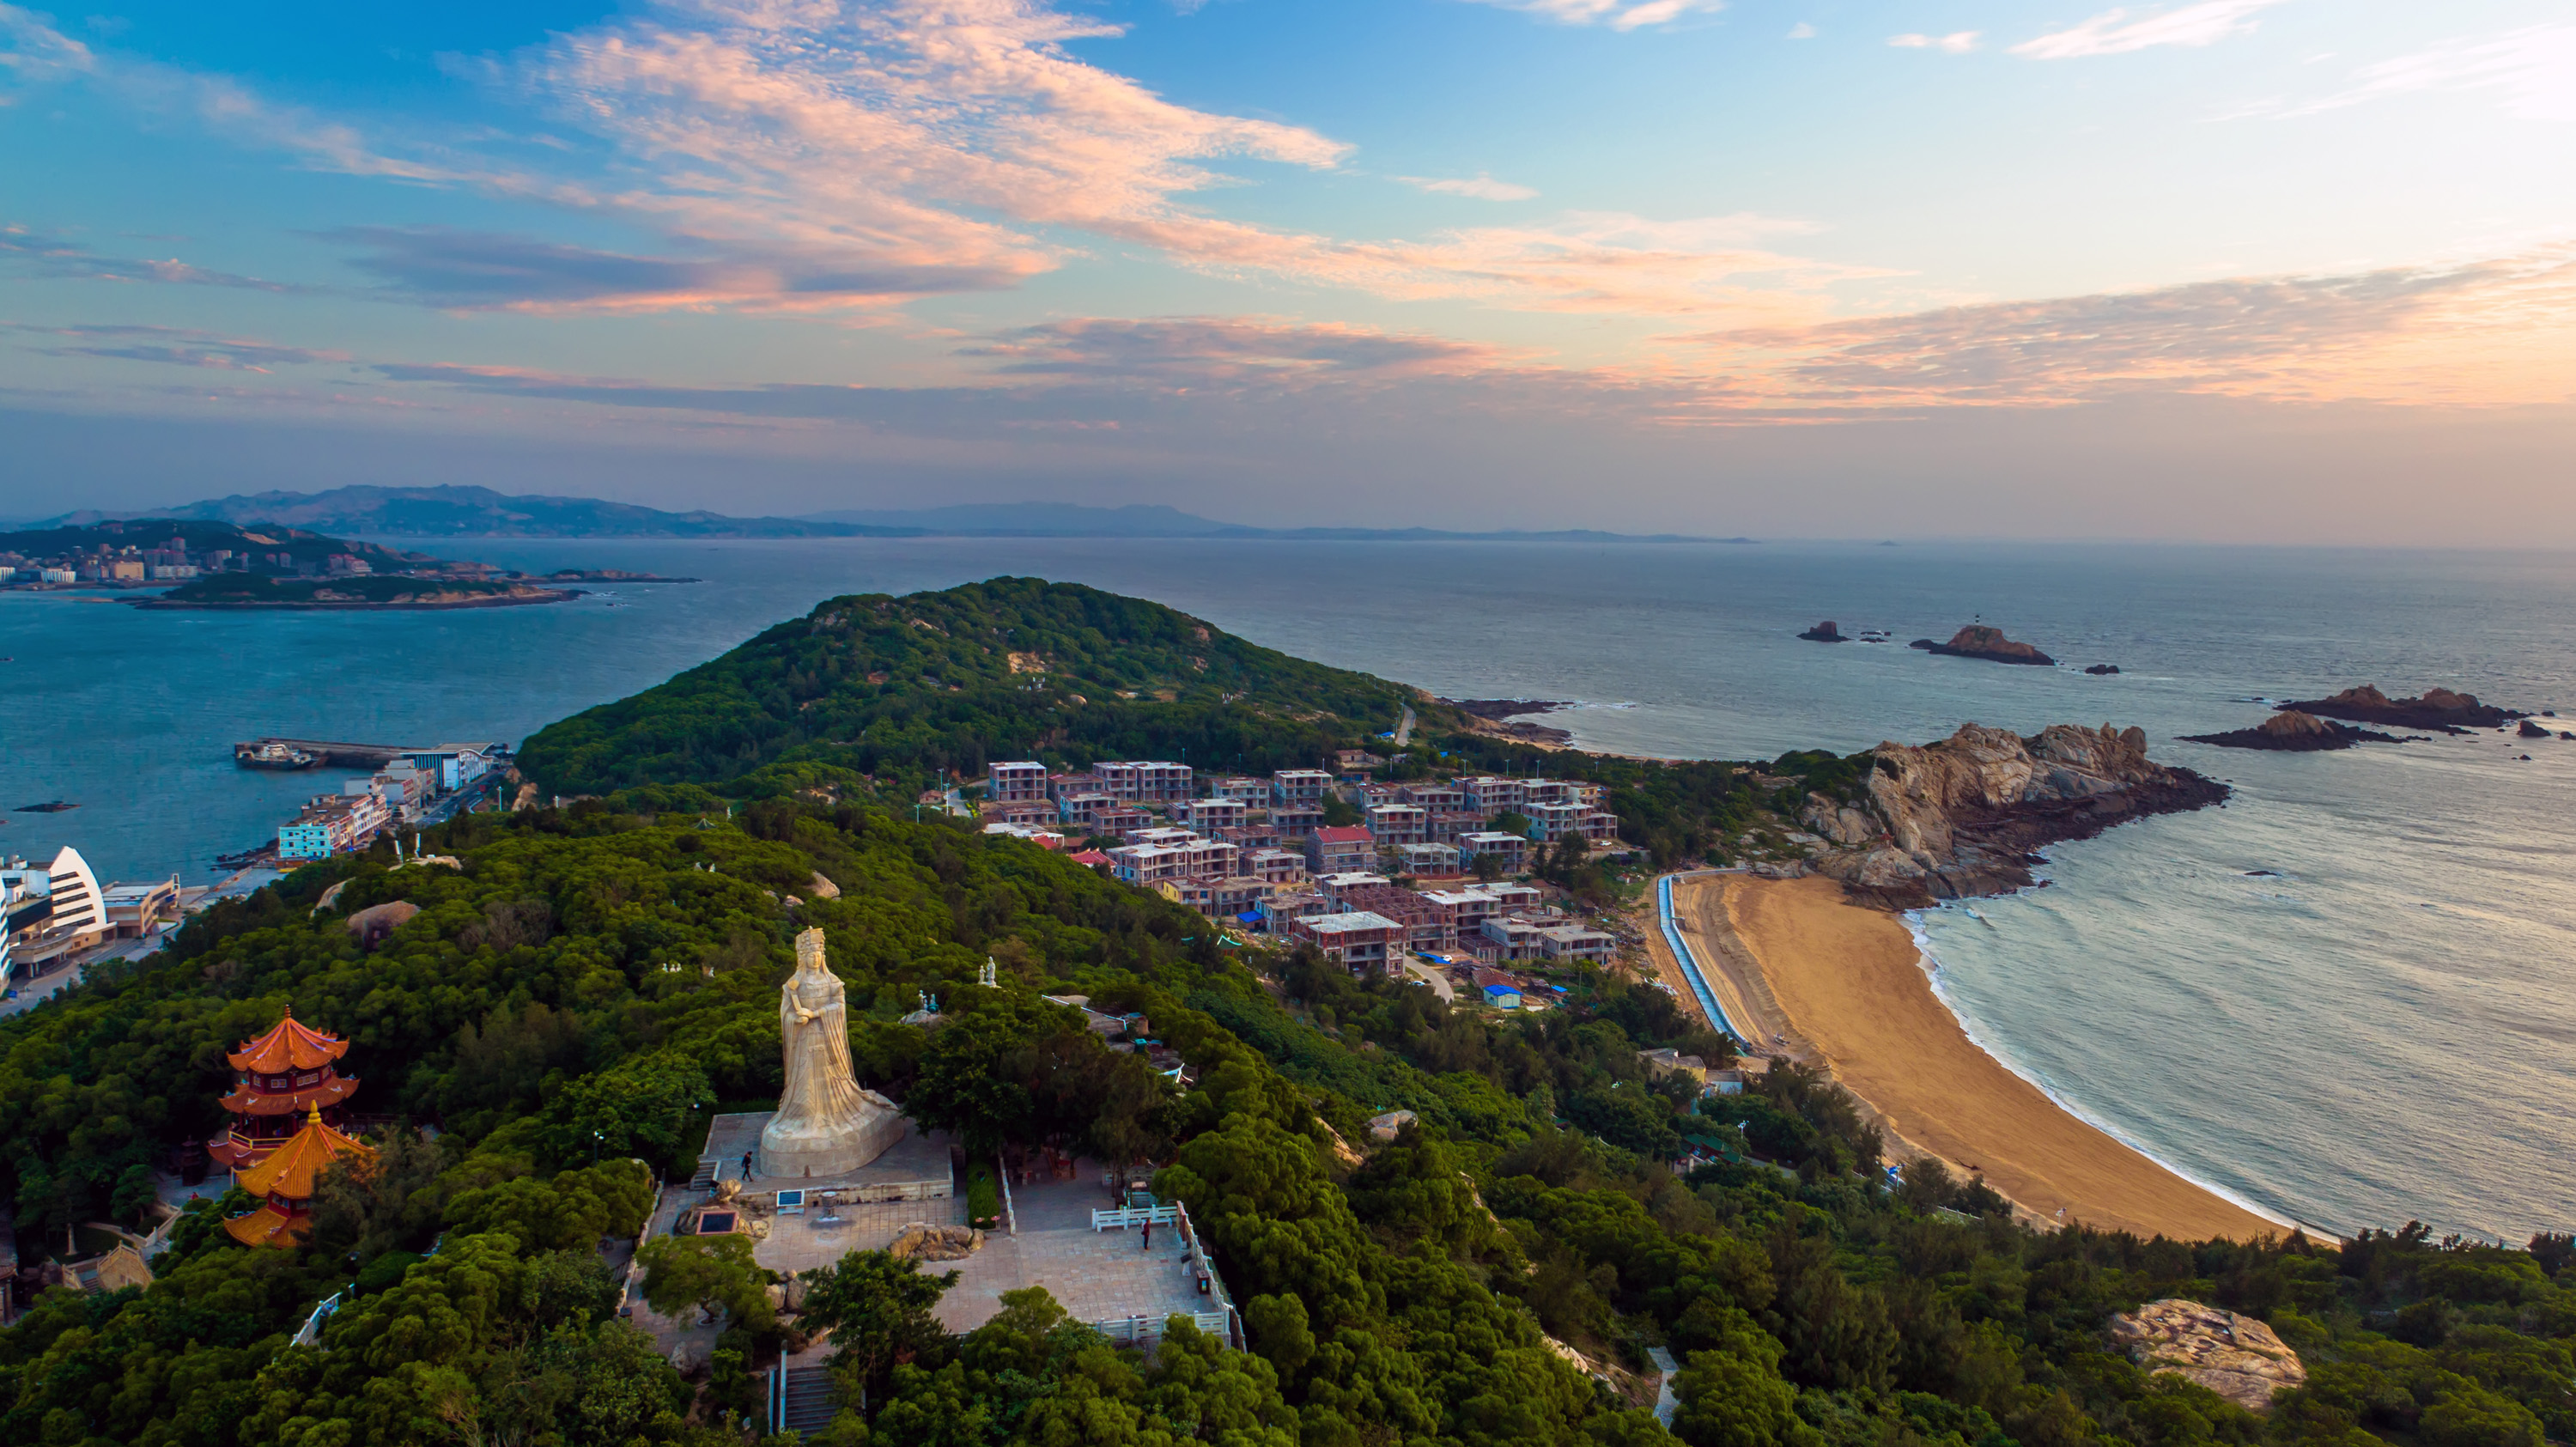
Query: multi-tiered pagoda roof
(286, 1180)
(282, 1074)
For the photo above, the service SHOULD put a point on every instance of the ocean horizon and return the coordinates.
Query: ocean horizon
(2347, 998)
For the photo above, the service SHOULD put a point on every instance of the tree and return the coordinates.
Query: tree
(1488, 867)
(711, 1273)
(877, 1308)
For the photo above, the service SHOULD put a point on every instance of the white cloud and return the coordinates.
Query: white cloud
(1617, 14)
(2535, 68)
(1957, 42)
(1802, 31)
(1482, 187)
(2113, 32)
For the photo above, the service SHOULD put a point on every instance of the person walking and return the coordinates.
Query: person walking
(1149, 1235)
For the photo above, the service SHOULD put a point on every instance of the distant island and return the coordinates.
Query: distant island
(232, 591)
(1984, 640)
(462, 511)
(2294, 732)
(2436, 708)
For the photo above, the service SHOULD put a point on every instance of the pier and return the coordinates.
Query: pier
(360, 756)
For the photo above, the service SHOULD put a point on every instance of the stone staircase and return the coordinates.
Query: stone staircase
(809, 1406)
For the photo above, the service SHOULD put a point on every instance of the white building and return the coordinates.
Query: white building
(50, 909)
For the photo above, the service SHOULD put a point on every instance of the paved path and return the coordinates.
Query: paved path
(1438, 982)
(1666, 1404)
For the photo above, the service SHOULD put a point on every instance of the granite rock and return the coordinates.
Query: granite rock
(2235, 1356)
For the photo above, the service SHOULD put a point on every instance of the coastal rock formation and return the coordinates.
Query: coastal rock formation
(1962, 816)
(2235, 1356)
(1825, 632)
(2103, 670)
(2532, 730)
(2436, 708)
(1501, 716)
(2294, 732)
(1984, 640)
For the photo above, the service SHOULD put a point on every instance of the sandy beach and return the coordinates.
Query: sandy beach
(1844, 985)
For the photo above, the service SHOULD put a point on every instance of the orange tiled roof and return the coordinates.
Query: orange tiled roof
(291, 1170)
(331, 1091)
(290, 1046)
(268, 1226)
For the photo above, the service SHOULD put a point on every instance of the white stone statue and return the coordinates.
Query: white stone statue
(827, 1124)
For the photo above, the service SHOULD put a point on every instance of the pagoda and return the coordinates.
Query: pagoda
(283, 1074)
(286, 1179)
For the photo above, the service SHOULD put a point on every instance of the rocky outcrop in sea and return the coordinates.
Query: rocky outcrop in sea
(2294, 732)
(1825, 632)
(2435, 708)
(1965, 816)
(1984, 640)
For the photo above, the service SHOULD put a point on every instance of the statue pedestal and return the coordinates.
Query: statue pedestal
(837, 1150)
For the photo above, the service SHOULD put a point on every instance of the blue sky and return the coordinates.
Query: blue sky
(2283, 269)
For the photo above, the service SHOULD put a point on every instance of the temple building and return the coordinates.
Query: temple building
(284, 1074)
(286, 1179)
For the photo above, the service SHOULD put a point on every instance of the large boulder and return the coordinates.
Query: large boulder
(2235, 1356)
(372, 924)
(922, 1241)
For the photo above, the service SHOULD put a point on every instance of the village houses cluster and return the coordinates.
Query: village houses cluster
(1257, 852)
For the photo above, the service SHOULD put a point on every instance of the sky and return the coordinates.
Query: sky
(2231, 270)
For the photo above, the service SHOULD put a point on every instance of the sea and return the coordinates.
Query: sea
(2346, 999)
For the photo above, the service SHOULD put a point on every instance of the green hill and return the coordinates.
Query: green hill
(1007, 669)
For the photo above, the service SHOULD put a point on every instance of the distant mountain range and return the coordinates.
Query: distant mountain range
(461, 512)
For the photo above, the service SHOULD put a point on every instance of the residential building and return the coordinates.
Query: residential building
(1434, 797)
(1369, 796)
(1119, 818)
(1333, 885)
(1462, 912)
(57, 575)
(1299, 786)
(126, 570)
(1020, 782)
(135, 910)
(1251, 791)
(1446, 825)
(1278, 908)
(1275, 866)
(1399, 824)
(1296, 821)
(1577, 943)
(1192, 859)
(1550, 820)
(1361, 941)
(1027, 813)
(1503, 937)
(1516, 898)
(1489, 796)
(1432, 861)
(1512, 849)
(1209, 815)
(1248, 837)
(1356, 761)
(1063, 786)
(1160, 834)
(1338, 851)
(1083, 807)
(1660, 1063)
(1144, 780)
(1423, 928)
(1236, 895)
(331, 824)
(1042, 838)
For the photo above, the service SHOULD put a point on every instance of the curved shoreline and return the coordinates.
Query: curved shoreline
(1932, 974)
(1851, 989)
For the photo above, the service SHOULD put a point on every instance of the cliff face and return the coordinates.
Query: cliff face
(1962, 816)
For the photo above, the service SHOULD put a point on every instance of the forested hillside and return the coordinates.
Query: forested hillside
(1008, 669)
(573, 1002)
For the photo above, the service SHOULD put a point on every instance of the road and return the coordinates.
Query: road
(1404, 730)
(1438, 982)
